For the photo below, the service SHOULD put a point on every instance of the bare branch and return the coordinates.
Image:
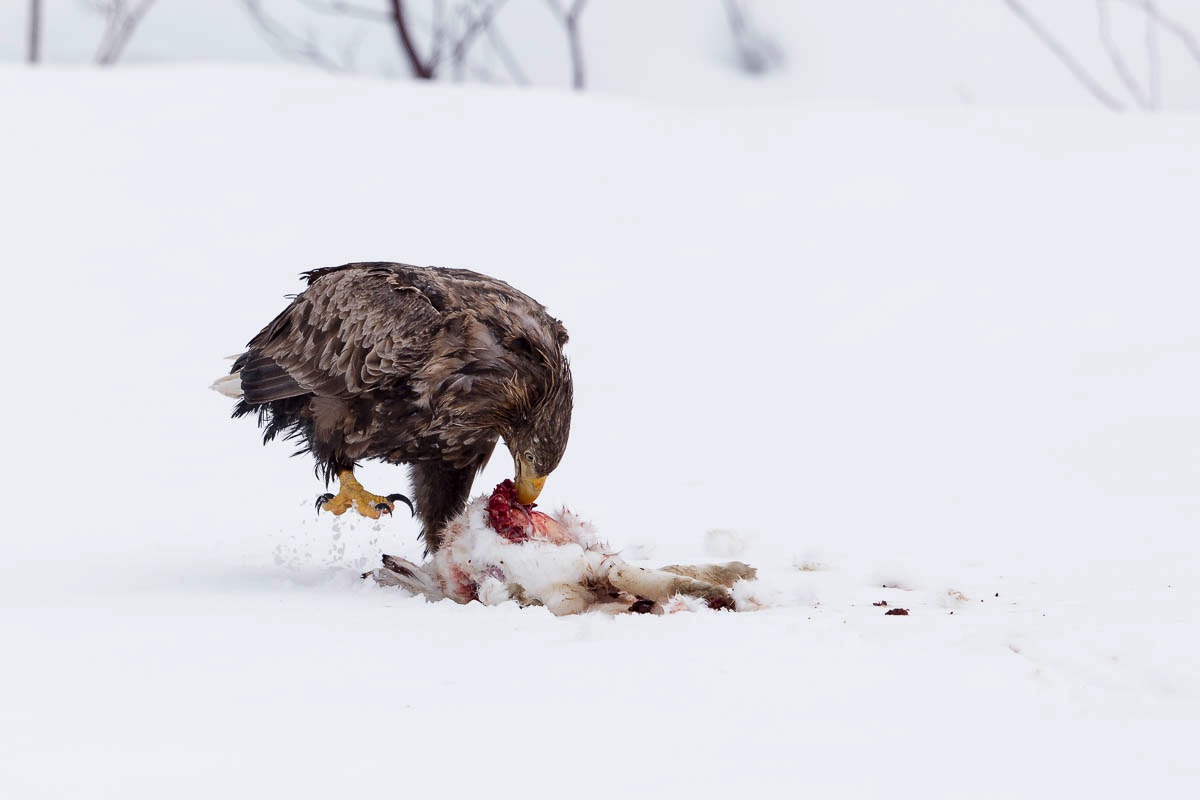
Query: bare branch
(1064, 56)
(756, 52)
(1185, 36)
(455, 30)
(569, 17)
(349, 51)
(500, 48)
(439, 31)
(121, 20)
(1153, 59)
(1114, 55)
(343, 9)
(35, 31)
(422, 70)
(288, 44)
(473, 26)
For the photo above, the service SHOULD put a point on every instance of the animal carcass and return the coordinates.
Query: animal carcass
(498, 549)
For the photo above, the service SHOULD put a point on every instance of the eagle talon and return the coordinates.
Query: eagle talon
(352, 495)
(392, 498)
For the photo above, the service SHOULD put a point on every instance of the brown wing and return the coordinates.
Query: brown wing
(355, 329)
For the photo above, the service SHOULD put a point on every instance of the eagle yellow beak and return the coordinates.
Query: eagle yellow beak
(529, 488)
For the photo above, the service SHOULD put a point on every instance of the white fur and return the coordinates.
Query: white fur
(531, 571)
(575, 572)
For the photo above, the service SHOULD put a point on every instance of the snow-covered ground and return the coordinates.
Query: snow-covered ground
(945, 358)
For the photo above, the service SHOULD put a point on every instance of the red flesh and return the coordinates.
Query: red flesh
(518, 522)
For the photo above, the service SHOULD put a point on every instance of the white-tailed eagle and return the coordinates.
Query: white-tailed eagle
(411, 365)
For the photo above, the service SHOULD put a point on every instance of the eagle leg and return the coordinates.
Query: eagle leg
(351, 493)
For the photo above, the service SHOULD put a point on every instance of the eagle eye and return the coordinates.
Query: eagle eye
(521, 345)
(529, 456)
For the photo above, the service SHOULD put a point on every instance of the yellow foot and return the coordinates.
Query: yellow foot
(351, 493)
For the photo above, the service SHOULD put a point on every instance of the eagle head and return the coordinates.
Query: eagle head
(537, 434)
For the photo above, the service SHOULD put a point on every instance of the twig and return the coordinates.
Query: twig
(757, 52)
(35, 31)
(501, 49)
(120, 23)
(439, 31)
(343, 9)
(1114, 55)
(288, 44)
(1188, 39)
(472, 28)
(421, 69)
(350, 51)
(1065, 57)
(1153, 59)
(569, 17)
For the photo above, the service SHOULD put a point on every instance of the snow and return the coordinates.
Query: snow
(940, 357)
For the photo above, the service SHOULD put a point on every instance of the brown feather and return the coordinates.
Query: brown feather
(414, 365)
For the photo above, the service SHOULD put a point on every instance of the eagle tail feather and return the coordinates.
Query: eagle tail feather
(229, 385)
(264, 381)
